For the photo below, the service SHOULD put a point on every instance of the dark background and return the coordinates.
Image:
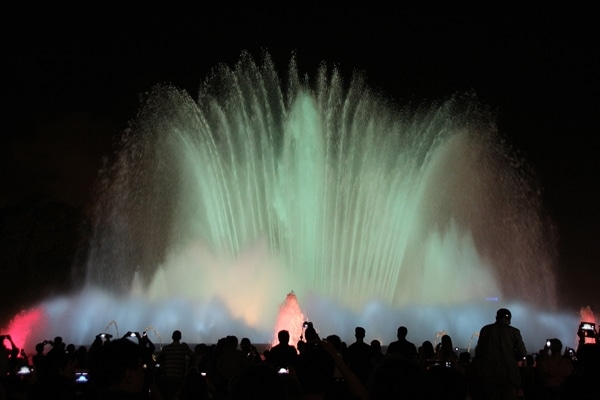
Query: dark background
(73, 78)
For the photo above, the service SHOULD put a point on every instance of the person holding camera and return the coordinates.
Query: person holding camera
(283, 354)
(8, 357)
(554, 368)
(315, 367)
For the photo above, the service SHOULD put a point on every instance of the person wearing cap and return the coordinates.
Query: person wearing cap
(499, 349)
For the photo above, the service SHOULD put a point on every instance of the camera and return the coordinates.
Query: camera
(81, 377)
(548, 343)
(104, 336)
(306, 324)
(587, 332)
(588, 329)
(24, 371)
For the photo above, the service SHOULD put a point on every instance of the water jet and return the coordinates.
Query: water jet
(375, 214)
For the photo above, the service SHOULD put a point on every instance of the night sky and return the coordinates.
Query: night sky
(73, 80)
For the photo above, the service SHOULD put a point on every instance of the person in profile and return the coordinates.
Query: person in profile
(499, 349)
(402, 347)
(173, 359)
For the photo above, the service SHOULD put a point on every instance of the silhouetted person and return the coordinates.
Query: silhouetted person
(583, 384)
(426, 355)
(447, 382)
(402, 347)
(173, 360)
(147, 349)
(315, 368)
(358, 355)
(446, 351)
(251, 355)
(529, 384)
(283, 354)
(8, 355)
(195, 386)
(398, 378)
(119, 371)
(99, 341)
(376, 353)
(258, 381)
(499, 348)
(201, 357)
(42, 380)
(57, 356)
(554, 369)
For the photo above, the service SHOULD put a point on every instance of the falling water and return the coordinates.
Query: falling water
(372, 213)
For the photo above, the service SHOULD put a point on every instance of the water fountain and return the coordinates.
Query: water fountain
(373, 214)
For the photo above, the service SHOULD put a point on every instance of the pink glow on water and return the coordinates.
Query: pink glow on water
(289, 318)
(22, 325)
(587, 314)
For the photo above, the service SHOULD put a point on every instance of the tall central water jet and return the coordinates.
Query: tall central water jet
(321, 186)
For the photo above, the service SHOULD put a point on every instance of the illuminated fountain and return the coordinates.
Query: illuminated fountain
(373, 214)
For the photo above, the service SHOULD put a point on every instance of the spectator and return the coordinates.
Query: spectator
(358, 355)
(402, 347)
(554, 369)
(446, 352)
(57, 356)
(398, 378)
(282, 355)
(426, 354)
(583, 384)
(499, 348)
(258, 381)
(173, 359)
(315, 367)
(251, 355)
(119, 371)
(376, 353)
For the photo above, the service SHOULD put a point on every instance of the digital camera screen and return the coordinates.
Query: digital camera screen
(587, 326)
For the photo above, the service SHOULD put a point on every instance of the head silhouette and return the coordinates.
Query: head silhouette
(176, 335)
(359, 332)
(503, 315)
(283, 336)
(402, 332)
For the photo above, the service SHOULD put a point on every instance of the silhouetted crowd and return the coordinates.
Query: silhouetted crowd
(131, 367)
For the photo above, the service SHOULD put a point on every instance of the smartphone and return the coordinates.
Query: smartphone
(587, 326)
(81, 377)
(24, 370)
